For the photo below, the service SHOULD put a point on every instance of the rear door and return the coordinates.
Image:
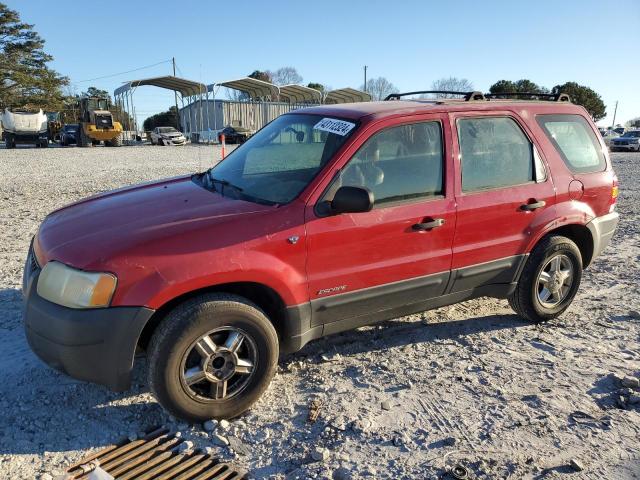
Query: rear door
(504, 195)
(365, 264)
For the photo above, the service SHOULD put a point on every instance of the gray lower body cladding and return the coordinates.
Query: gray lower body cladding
(337, 313)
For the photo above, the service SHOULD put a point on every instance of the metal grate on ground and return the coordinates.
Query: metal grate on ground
(154, 456)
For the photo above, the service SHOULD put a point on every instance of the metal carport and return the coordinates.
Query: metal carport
(254, 88)
(299, 94)
(192, 91)
(346, 95)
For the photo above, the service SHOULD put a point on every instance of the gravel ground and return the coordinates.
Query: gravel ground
(470, 384)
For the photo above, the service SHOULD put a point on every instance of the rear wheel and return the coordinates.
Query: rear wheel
(212, 357)
(549, 281)
(115, 142)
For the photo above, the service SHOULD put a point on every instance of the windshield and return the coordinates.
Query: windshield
(280, 160)
(166, 130)
(634, 134)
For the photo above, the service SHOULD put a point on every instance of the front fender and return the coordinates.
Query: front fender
(157, 285)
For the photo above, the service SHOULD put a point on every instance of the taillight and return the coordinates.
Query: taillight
(614, 193)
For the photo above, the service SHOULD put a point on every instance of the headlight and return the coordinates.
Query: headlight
(73, 288)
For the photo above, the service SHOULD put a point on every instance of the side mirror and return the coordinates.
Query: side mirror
(352, 200)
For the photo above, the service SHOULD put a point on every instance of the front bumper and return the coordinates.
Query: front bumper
(602, 229)
(94, 345)
(626, 146)
(174, 141)
(30, 137)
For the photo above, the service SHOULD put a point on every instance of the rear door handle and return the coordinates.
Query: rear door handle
(435, 223)
(528, 207)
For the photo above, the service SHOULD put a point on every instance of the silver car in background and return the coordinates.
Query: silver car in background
(166, 136)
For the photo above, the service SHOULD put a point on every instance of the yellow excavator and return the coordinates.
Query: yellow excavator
(96, 123)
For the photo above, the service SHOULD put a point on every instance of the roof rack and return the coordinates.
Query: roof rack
(468, 96)
(552, 97)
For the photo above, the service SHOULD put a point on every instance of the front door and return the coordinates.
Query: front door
(367, 266)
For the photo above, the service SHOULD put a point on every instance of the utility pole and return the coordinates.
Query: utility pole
(365, 78)
(615, 111)
(175, 95)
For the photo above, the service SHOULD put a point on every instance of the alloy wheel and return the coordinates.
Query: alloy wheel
(219, 364)
(554, 281)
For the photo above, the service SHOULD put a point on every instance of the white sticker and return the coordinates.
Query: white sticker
(331, 125)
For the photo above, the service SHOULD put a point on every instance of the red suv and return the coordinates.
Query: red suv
(327, 219)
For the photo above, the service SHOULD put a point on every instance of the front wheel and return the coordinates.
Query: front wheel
(212, 357)
(549, 281)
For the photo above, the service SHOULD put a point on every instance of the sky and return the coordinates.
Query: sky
(411, 43)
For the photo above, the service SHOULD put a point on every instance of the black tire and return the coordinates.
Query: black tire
(525, 300)
(174, 339)
(116, 142)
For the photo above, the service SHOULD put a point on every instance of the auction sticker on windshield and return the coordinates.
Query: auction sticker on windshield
(331, 125)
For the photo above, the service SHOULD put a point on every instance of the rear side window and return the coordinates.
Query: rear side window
(575, 140)
(398, 163)
(495, 153)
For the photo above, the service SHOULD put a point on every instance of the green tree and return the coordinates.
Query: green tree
(25, 78)
(260, 75)
(316, 86)
(584, 96)
(519, 86)
(96, 92)
(163, 119)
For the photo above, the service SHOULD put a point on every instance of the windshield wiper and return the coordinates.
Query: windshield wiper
(224, 183)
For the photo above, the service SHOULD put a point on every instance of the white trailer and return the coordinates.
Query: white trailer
(25, 128)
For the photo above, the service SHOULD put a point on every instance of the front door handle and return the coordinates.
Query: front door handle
(529, 207)
(435, 223)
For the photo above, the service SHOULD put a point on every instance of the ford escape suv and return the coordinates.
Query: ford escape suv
(327, 219)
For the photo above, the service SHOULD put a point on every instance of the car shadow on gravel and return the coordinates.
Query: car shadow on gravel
(408, 331)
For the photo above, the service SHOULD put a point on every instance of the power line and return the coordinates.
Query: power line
(121, 73)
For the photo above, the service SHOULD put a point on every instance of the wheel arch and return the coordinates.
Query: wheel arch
(580, 235)
(266, 298)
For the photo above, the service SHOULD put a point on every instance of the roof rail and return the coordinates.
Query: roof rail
(552, 97)
(468, 96)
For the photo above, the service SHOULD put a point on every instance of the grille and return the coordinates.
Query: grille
(155, 455)
(33, 262)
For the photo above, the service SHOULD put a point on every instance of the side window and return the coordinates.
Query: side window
(575, 141)
(398, 163)
(495, 152)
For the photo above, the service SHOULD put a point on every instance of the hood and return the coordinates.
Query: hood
(171, 134)
(92, 231)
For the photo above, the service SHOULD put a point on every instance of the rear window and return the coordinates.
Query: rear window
(575, 140)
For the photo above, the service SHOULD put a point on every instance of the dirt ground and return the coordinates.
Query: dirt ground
(469, 384)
